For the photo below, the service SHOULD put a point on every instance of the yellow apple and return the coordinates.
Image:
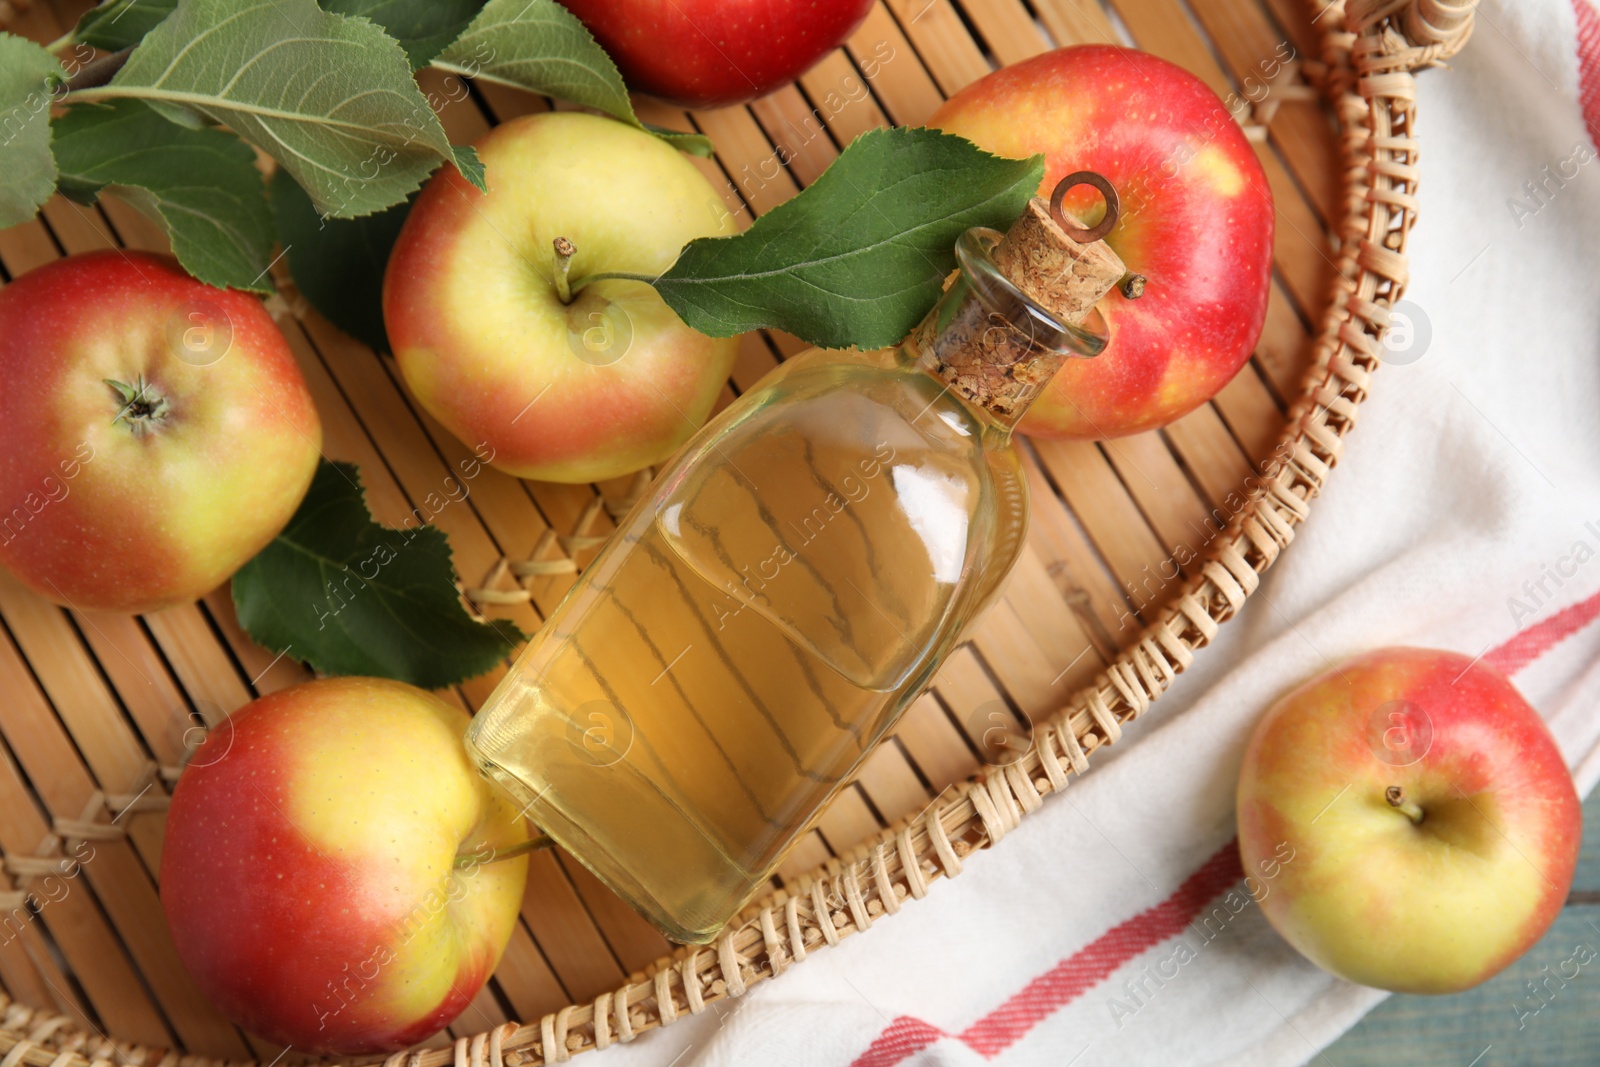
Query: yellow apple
(1430, 823)
(571, 386)
(157, 432)
(324, 870)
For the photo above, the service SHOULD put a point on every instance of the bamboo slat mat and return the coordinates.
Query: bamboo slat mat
(96, 710)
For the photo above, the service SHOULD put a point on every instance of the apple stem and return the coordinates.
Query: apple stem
(1132, 285)
(522, 848)
(1409, 808)
(565, 250)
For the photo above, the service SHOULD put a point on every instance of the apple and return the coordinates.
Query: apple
(328, 872)
(1422, 824)
(156, 432)
(572, 386)
(717, 53)
(1196, 224)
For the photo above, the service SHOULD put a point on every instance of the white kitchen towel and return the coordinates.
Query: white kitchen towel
(1464, 515)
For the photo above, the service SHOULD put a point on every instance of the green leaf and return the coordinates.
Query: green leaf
(860, 256)
(423, 27)
(121, 24)
(470, 166)
(330, 98)
(541, 46)
(696, 144)
(202, 186)
(345, 595)
(28, 78)
(338, 264)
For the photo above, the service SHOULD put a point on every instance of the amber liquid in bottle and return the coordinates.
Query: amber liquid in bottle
(755, 625)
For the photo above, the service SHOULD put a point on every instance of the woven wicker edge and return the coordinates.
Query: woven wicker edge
(1370, 50)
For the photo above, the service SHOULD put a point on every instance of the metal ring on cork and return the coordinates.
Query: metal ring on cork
(1132, 285)
(1086, 234)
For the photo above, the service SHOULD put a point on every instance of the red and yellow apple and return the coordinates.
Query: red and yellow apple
(568, 390)
(1433, 825)
(323, 873)
(716, 53)
(1196, 222)
(155, 433)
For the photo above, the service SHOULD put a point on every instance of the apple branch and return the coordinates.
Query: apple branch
(465, 860)
(1397, 800)
(616, 276)
(97, 71)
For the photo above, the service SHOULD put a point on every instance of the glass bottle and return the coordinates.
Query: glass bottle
(786, 586)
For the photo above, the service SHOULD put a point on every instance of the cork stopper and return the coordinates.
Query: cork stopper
(1022, 302)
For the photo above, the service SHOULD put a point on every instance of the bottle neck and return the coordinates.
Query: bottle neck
(991, 345)
(994, 431)
(982, 360)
